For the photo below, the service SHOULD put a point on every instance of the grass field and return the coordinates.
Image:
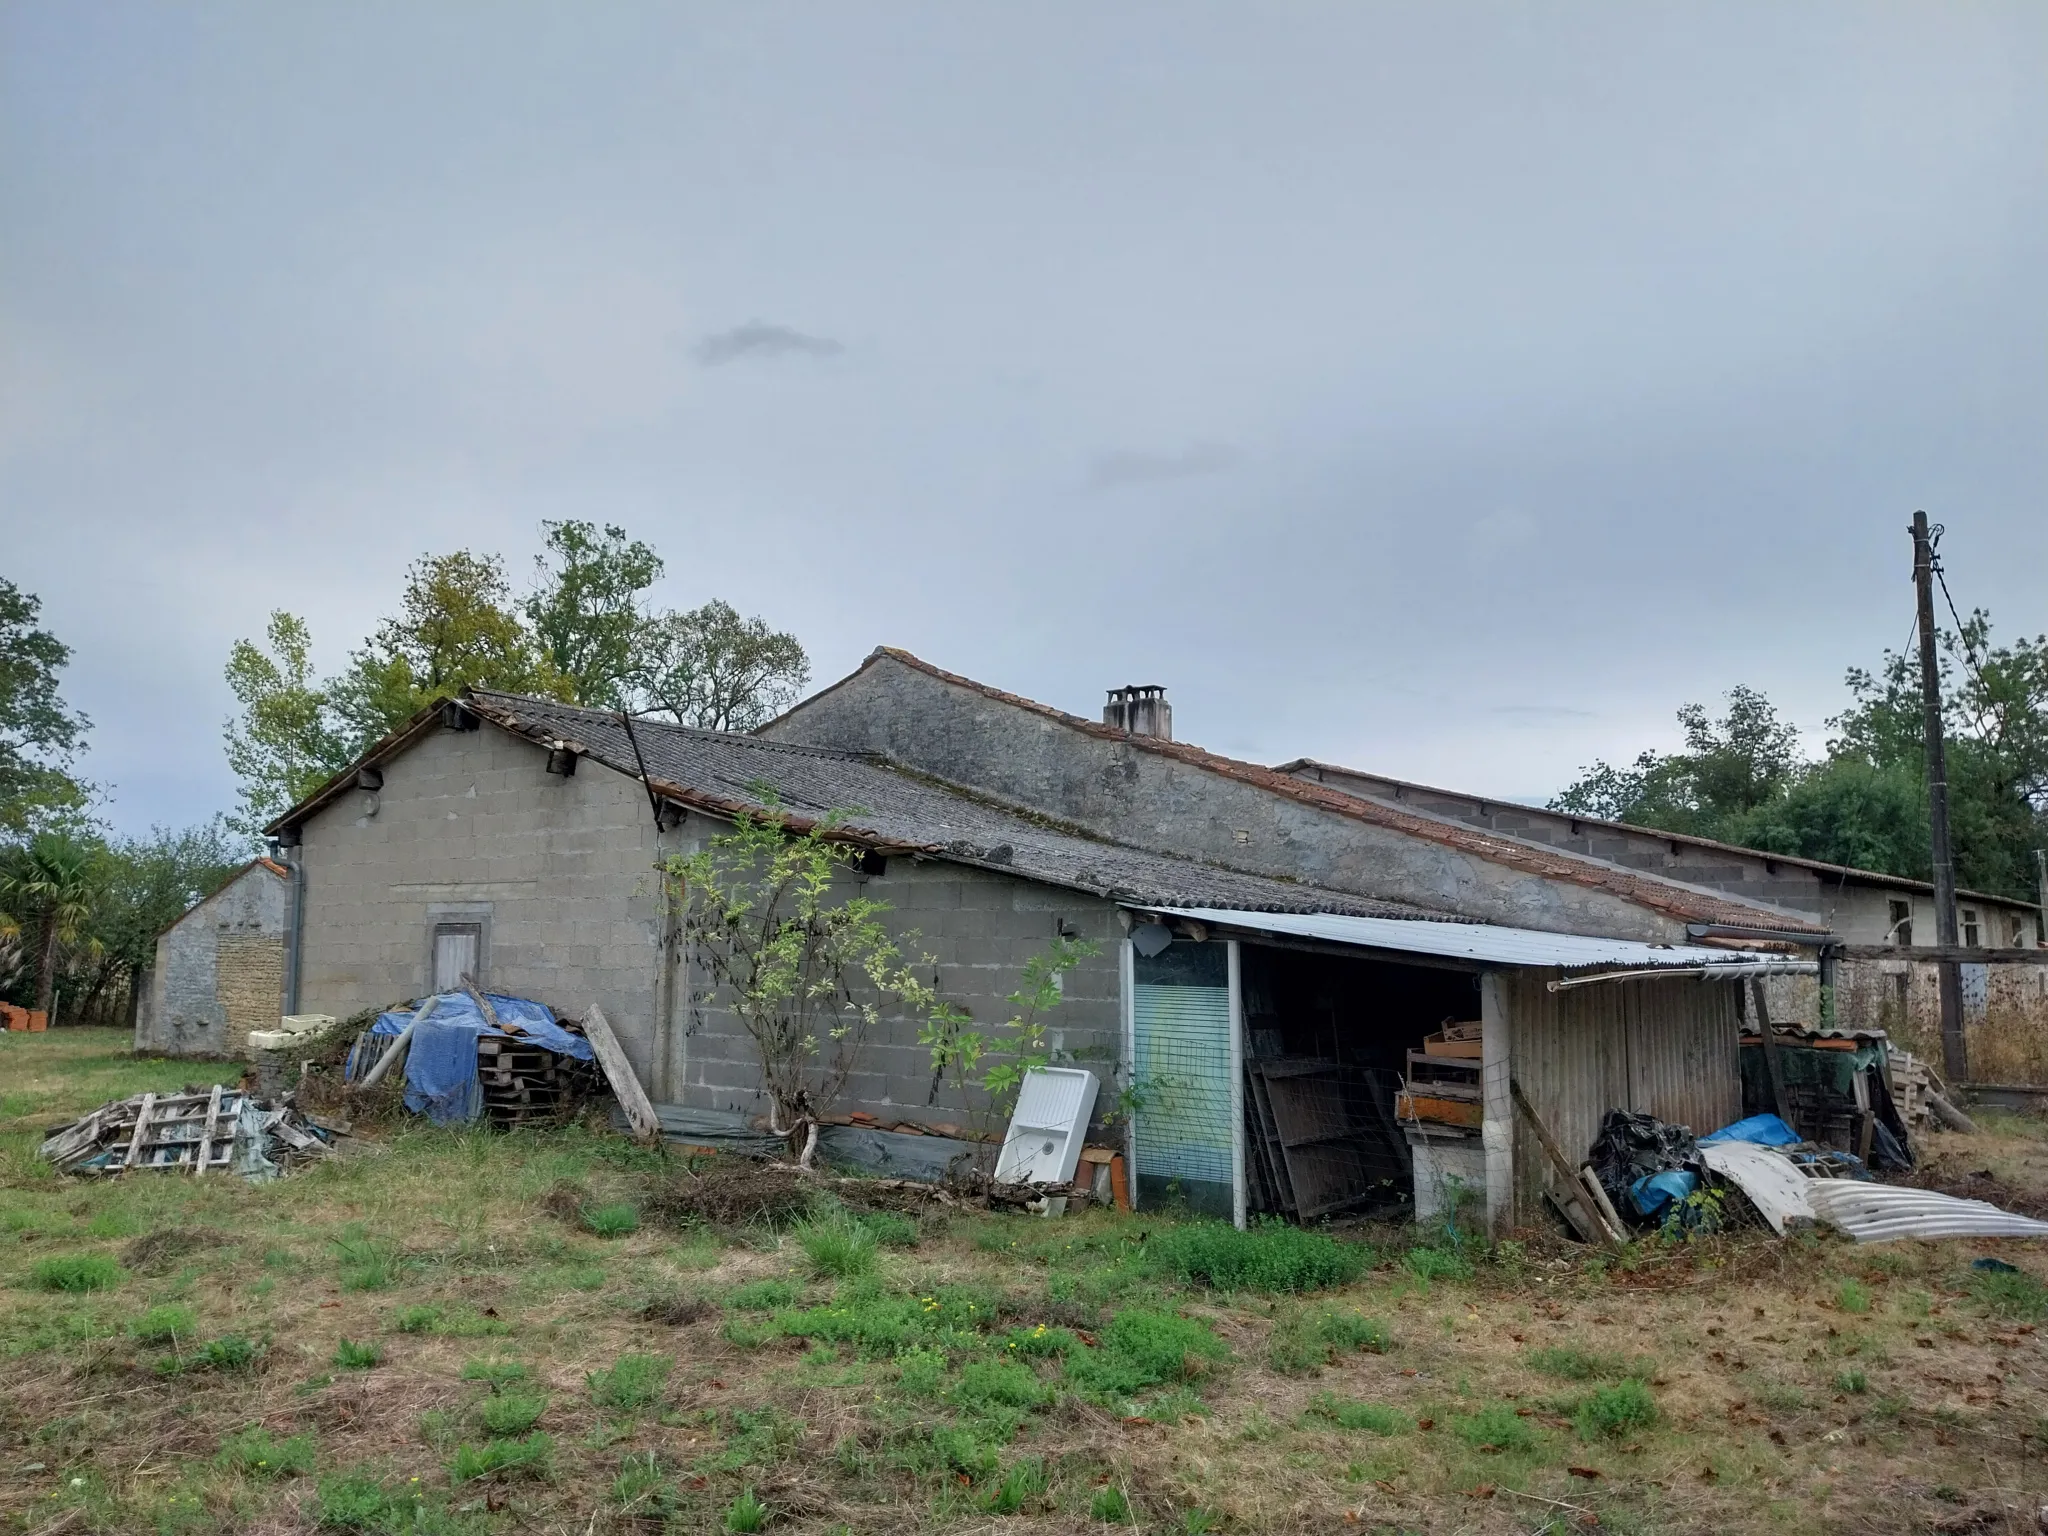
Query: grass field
(443, 1332)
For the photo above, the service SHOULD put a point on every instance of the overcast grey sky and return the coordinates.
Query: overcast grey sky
(1448, 389)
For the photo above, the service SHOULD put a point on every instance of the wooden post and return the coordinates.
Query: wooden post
(618, 1071)
(1497, 1115)
(1770, 1040)
(1954, 1058)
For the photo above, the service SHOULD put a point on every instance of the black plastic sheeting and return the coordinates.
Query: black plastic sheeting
(894, 1154)
(1631, 1147)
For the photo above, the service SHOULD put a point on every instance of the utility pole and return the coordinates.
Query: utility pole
(1954, 1059)
(2041, 883)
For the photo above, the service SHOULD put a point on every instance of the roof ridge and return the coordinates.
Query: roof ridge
(1643, 887)
(741, 738)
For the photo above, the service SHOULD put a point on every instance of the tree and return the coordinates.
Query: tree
(285, 745)
(1729, 768)
(148, 883)
(456, 628)
(806, 967)
(39, 733)
(712, 669)
(987, 1066)
(48, 886)
(585, 608)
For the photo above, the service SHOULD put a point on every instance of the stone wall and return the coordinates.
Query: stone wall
(219, 971)
(1155, 801)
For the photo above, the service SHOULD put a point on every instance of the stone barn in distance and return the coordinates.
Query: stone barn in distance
(220, 969)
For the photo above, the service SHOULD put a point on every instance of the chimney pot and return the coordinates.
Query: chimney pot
(1141, 710)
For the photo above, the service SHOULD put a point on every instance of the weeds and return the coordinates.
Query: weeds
(351, 1356)
(77, 1272)
(634, 1381)
(1144, 1348)
(1615, 1411)
(838, 1245)
(531, 1457)
(1495, 1427)
(255, 1452)
(511, 1413)
(164, 1324)
(1304, 1341)
(1110, 1506)
(746, 1514)
(1024, 1481)
(1271, 1257)
(365, 1265)
(1436, 1264)
(1578, 1365)
(2011, 1293)
(1376, 1417)
(616, 1220)
(1853, 1382)
(763, 1296)
(496, 1374)
(1852, 1296)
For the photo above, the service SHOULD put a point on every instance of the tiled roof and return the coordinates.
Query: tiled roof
(1688, 903)
(894, 809)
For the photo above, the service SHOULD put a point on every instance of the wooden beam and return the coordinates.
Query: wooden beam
(618, 1071)
(141, 1130)
(206, 1133)
(1961, 954)
(1571, 1192)
(1772, 1064)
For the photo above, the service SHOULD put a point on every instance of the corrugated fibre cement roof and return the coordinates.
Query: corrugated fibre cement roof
(1482, 943)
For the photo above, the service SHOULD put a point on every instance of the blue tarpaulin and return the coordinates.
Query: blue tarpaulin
(1654, 1191)
(1764, 1130)
(440, 1064)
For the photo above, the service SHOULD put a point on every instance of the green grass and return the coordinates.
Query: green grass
(497, 1374)
(1436, 1264)
(1110, 1506)
(837, 1245)
(633, 1381)
(764, 1295)
(746, 1514)
(76, 1272)
(1495, 1427)
(1854, 1382)
(163, 1324)
(1022, 1482)
(1568, 1364)
(255, 1452)
(890, 1229)
(1852, 1296)
(1270, 1257)
(2014, 1294)
(1304, 1340)
(1614, 1411)
(351, 1356)
(364, 1264)
(616, 1220)
(531, 1457)
(1375, 1417)
(1144, 1348)
(511, 1413)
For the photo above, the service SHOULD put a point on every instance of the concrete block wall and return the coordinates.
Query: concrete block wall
(982, 928)
(1159, 802)
(219, 971)
(470, 827)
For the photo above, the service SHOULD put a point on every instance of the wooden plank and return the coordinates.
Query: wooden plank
(1440, 1108)
(1572, 1193)
(618, 1071)
(1961, 954)
(206, 1136)
(1597, 1193)
(1770, 1043)
(141, 1130)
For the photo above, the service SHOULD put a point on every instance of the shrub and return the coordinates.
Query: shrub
(1495, 1427)
(764, 1295)
(1020, 1484)
(351, 1356)
(77, 1272)
(1143, 1348)
(746, 1514)
(512, 1413)
(1577, 1365)
(257, 1453)
(1110, 1506)
(163, 1325)
(1305, 1341)
(530, 1457)
(837, 1245)
(1271, 1256)
(615, 1220)
(1852, 1296)
(2011, 1293)
(1616, 1410)
(1376, 1417)
(634, 1381)
(497, 1374)
(1436, 1264)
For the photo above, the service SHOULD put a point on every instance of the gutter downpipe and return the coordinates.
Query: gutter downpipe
(295, 924)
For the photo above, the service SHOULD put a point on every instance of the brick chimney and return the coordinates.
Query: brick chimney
(1140, 709)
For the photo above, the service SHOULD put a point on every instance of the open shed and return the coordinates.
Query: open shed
(1293, 1063)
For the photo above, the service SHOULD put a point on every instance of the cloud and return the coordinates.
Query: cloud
(757, 338)
(1543, 712)
(1112, 471)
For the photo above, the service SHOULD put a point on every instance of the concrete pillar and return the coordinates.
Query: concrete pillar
(1497, 1129)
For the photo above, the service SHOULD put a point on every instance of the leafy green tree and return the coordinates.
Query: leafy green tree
(805, 964)
(39, 733)
(147, 883)
(285, 744)
(585, 607)
(1729, 768)
(711, 669)
(456, 627)
(48, 886)
(986, 1066)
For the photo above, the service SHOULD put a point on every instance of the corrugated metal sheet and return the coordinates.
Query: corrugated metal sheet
(1482, 942)
(1665, 1047)
(1878, 1213)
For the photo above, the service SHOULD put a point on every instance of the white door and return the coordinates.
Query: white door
(455, 956)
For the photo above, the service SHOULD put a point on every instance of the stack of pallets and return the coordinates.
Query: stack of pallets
(522, 1081)
(1442, 1085)
(198, 1131)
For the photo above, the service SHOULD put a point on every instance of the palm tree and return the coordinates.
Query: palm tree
(50, 883)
